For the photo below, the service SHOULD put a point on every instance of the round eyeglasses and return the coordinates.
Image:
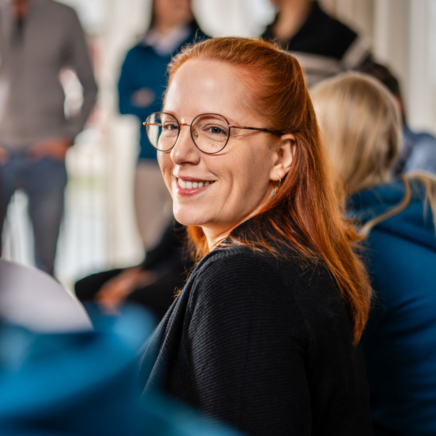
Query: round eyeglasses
(209, 132)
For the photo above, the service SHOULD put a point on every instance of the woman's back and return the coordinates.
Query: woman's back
(263, 344)
(400, 338)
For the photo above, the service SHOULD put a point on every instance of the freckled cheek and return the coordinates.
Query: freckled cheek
(166, 167)
(255, 177)
(232, 185)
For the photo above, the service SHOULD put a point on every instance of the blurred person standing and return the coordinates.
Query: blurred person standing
(419, 148)
(38, 39)
(141, 86)
(323, 45)
(361, 126)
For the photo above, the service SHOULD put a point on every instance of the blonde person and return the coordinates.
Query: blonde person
(265, 333)
(361, 127)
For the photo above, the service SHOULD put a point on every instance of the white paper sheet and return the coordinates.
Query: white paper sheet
(33, 299)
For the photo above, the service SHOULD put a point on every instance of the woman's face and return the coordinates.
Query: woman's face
(240, 176)
(173, 12)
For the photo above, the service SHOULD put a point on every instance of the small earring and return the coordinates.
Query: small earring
(276, 189)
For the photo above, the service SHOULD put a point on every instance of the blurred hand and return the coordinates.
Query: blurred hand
(4, 155)
(56, 148)
(143, 97)
(113, 293)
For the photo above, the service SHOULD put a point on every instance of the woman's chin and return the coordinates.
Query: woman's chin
(189, 218)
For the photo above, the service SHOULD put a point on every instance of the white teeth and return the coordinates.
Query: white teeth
(192, 185)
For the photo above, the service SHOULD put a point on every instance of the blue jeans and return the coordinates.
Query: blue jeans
(44, 183)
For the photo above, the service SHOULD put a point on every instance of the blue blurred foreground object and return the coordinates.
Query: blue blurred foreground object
(85, 383)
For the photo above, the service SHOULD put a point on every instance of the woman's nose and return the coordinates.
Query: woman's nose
(185, 150)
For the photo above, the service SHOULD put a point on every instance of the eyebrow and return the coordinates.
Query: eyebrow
(230, 120)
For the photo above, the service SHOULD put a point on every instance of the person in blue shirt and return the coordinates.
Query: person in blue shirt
(361, 125)
(140, 88)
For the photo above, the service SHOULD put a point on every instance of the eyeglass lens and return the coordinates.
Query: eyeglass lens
(210, 132)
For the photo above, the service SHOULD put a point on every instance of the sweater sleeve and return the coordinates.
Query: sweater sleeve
(248, 343)
(79, 60)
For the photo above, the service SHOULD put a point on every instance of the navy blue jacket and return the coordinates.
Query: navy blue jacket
(143, 67)
(400, 339)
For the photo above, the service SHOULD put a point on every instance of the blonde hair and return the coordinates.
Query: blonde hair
(361, 127)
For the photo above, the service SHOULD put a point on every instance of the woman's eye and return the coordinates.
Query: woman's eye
(170, 127)
(217, 130)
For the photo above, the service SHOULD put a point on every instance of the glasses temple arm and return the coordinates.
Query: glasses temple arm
(274, 132)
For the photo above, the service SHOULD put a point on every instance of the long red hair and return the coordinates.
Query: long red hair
(306, 214)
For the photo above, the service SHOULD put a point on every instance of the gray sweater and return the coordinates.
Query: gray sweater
(31, 58)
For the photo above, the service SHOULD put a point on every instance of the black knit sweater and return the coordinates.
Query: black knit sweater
(264, 345)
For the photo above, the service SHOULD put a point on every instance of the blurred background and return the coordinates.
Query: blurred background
(99, 230)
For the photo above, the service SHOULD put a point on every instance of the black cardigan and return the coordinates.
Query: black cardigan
(320, 35)
(324, 46)
(264, 345)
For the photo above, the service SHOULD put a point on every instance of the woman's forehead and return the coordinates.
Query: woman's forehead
(201, 86)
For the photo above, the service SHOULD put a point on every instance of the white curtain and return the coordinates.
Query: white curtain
(403, 34)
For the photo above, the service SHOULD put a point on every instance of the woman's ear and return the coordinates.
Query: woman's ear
(283, 157)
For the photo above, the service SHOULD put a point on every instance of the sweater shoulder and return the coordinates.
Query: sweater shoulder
(242, 286)
(234, 271)
(61, 10)
(242, 280)
(238, 273)
(241, 262)
(238, 262)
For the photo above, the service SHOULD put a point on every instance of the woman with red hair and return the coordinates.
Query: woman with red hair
(265, 333)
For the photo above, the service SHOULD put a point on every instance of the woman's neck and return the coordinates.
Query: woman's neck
(215, 235)
(163, 29)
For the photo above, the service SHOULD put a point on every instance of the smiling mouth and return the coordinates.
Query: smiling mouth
(188, 184)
